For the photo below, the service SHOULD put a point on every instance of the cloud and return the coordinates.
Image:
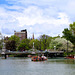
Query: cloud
(38, 17)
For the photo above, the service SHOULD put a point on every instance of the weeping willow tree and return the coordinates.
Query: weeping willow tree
(69, 34)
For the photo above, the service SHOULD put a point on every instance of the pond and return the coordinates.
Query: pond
(24, 66)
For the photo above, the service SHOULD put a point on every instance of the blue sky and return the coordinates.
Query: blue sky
(37, 16)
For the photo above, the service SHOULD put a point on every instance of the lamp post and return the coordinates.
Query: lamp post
(54, 48)
(67, 47)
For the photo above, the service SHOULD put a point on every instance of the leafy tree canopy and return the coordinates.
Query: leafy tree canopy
(61, 44)
(23, 47)
(36, 43)
(69, 34)
(26, 43)
(11, 45)
(44, 41)
(15, 38)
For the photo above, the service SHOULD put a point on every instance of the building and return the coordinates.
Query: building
(22, 35)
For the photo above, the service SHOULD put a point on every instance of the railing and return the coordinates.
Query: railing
(31, 52)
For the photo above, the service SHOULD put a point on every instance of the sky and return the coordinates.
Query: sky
(40, 17)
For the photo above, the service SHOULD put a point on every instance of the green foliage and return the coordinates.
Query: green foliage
(61, 44)
(11, 45)
(15, 38)
(23, 47)
(25, 41)
(72, 28)
(0, 44)
(69, 34)
(31, 43)
(69, 53)
(45, 40)
(36, 44)
(55, 43)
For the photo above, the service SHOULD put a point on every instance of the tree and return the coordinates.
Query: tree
(12, 42)
(11, 45)
(1, 44)
(23, 47)
(15, 38)
(44, 41)
(26, 43)
(61, 44)
(52, 44)
(36, 44)
(69, 34)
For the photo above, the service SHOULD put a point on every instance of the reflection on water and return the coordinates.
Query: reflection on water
(65, 61)
(24, 66)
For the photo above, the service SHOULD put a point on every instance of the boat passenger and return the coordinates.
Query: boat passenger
(43, 57)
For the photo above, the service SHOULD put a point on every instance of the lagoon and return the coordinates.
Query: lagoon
(24, 66)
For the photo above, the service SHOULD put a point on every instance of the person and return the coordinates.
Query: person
(43, 57)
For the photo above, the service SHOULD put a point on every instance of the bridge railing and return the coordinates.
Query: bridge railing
(24, 52)
(31, 52)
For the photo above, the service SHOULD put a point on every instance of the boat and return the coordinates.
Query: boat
(70, 57)
(38, 58)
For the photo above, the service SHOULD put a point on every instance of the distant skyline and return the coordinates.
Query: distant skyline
(37, 16)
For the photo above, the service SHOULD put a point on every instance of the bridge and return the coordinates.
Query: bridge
(31, 52)
(46, 53)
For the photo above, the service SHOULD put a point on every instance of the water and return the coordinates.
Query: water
(24, 66)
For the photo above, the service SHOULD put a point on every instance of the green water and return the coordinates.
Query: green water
(24, 66)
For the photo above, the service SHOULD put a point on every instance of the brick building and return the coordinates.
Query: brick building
(22, 35)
